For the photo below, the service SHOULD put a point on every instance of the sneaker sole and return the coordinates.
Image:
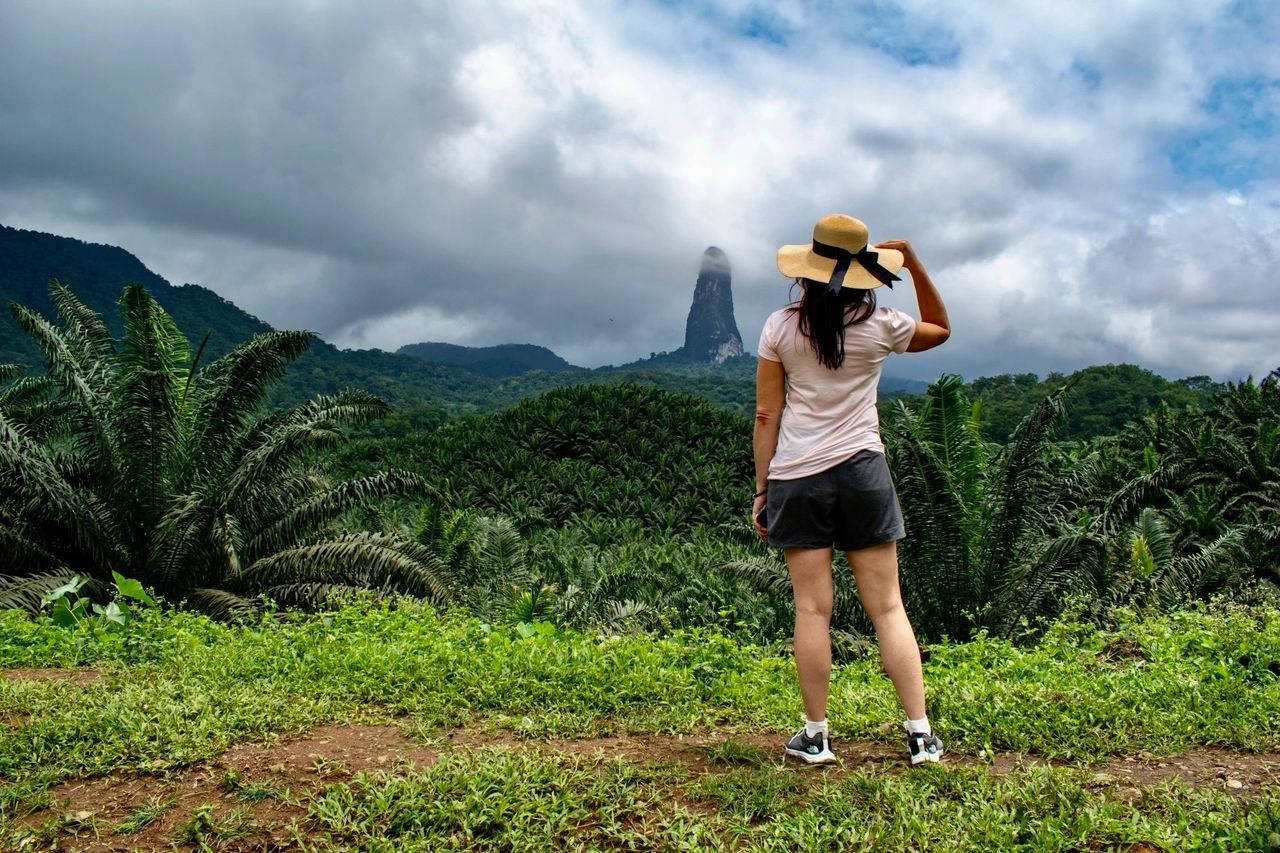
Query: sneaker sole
(926, 758)
(821, 758)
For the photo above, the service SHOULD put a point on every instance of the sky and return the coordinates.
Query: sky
(1085, 182)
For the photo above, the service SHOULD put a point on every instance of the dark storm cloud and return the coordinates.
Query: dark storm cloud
(316, 129)
(552, 171)
(264, 120)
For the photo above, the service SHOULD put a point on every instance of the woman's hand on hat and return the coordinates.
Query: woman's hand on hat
(908, 253)
(900, 245)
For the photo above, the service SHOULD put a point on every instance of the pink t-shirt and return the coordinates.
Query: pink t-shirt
(830, 414)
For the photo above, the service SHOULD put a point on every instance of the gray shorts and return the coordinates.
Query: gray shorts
(850, 506)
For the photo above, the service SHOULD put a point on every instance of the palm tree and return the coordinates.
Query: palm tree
(501, 579)
(977, 515)
(136, 458)
(939, 464)
(1210, 473)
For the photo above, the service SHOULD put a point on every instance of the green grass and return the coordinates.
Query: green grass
(177, 689)
(505, 800)
(145, 815)
(205, 829)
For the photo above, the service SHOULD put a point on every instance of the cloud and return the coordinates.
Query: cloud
(552, 171)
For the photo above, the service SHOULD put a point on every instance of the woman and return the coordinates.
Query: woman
(821, 476)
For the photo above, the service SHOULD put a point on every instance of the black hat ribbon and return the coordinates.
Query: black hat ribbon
(869, 260)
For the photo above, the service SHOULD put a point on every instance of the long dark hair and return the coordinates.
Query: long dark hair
(825, 315)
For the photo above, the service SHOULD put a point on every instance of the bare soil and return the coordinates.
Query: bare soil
(80, 676)
(292, 768)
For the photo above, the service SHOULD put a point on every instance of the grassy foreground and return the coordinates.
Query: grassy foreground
(177, 690)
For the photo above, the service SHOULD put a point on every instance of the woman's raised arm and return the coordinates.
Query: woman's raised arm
(934, 328)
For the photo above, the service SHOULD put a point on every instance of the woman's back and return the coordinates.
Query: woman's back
(830, 414)
(822, 480)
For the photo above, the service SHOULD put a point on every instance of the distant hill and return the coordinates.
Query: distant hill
(496, 361)
(439, 378)
(98, 273)
(1104, 398)
(741, 368)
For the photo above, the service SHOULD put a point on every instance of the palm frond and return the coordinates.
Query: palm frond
(1017, 499)
(32, 402)
(308, 596)
(348, 406)
(221, 604)
(621, 616)
(83, 323)
(194, 370)
(1034, 586)
(310, 517)
(948, 424)
(499, 551)
(228, 542)
(358, 559)
(36, 492)
(178, 542)
(938, 552)
(769, 575)
(24, 592)
(1194, 575)
(66, 369)
(19, 550)
(286, 446)
(1142, 490)
(146, 417)
(234, 387)
(26, 391)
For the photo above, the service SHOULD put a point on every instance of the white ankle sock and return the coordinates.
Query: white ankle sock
(813, 727)
(920, 726)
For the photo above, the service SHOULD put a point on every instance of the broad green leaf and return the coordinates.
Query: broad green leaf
(71, 587)
(113, 612)
(66, 616)
(130, 588)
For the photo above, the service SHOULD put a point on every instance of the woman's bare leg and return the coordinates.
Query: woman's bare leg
(811, 584)
(876, 571)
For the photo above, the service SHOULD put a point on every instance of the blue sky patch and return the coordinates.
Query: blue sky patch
(764, 25)
(881, 25)
(1087, 73)
(1240, 124)
(887, 27)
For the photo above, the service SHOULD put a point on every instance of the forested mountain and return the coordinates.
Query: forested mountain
(1104, 397)
(497, 361)
(434, 379)
(98, 273)
(452, 379)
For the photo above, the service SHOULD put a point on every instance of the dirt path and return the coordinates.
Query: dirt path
(256, 791)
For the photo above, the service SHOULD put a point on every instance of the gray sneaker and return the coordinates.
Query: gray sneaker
(924, 747)
(811, 750)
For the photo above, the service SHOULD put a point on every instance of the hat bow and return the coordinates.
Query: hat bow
(868, 259)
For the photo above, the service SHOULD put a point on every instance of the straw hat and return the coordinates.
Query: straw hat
(839, 255)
